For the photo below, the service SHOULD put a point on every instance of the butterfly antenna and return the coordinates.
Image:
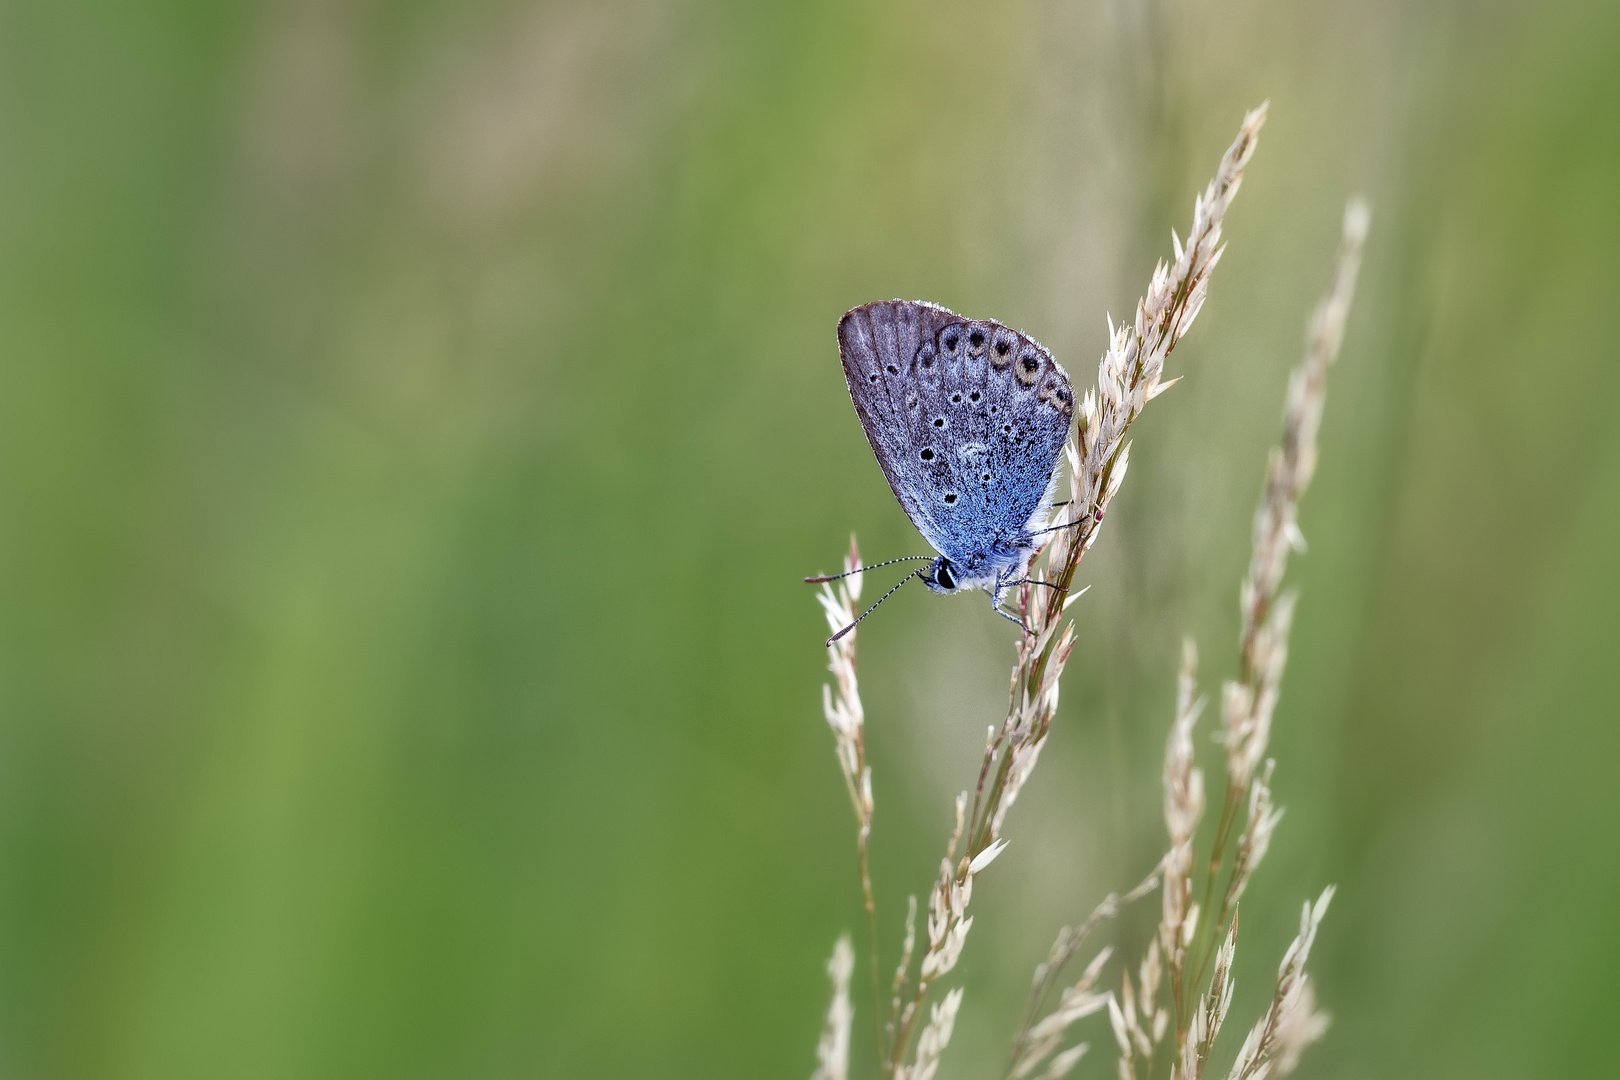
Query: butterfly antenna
(864, 569)
(868, 611)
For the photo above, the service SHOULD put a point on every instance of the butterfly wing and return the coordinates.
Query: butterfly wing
(966, 418)
(878, 344)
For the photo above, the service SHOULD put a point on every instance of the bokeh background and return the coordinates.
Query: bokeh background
(415, 419)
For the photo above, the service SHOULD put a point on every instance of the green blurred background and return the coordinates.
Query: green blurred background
(415, 420)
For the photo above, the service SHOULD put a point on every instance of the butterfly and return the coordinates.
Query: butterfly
(967, 419)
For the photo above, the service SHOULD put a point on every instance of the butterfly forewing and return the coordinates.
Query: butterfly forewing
(873, 343)
(966, 417)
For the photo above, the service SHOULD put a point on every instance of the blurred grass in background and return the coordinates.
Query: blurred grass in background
(415, 420)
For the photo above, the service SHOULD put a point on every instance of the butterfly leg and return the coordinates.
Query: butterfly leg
(995, 605)
(1034, 581)
(1066, 525)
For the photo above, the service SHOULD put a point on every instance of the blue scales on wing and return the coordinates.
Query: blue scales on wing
(967, 419)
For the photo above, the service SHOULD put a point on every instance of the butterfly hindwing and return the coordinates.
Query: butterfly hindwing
(966, 418)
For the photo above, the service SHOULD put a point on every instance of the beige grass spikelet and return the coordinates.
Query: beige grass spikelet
(832, 1053)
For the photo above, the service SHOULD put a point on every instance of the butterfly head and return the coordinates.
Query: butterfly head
(943, 576)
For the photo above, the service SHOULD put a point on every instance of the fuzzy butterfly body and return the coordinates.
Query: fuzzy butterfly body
(967, 418)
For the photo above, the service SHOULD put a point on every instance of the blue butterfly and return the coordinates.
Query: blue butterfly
(967, 419)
